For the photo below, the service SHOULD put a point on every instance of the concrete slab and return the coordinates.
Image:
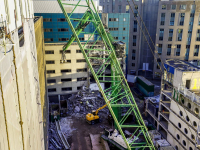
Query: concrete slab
(96, 142)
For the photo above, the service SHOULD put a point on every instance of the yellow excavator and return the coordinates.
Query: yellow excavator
(93, 117)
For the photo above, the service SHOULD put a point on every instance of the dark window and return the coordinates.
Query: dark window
(66, 51)
(79, 87)
(188, 84)
(82, 79)
(164, 6)
(63, 39)
(50, 71)
(133, 57)
(50, 62)
(134, 40)
(51, 80)
(116, 38)
(48, 30)
(133, 64)
(65, 70)
(173, 7)
(124, 29)
(47, 19)
(63, 29)
(62, 19)
(80, 60)
(52, 90)
(66, 80)
(67, 89)
(81, 70)
(123, 38)
(78, 51)
(48, 39)
(65, 61)
(49, 52)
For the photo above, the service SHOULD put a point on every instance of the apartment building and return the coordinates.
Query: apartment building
(178, 32)
(139, 56)
(66, 78)
(176, 114)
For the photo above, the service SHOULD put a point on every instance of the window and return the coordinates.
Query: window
(50, 71)
(113, 19)
(127, 8)
(124, 38)
(164, 6)
(51, 80)
(47, 19)
(173, 7)
(48, 30)
(61, 19)
(124, 19)
(116, 38)
(67, 89)
(179, 34)
(161, 34)
(62, 29)
(190, 148)
(134, 40)
(172, 19)
(81, 39)
(170, 34)
(79, 87)
(66, 51)
(184, 143)
(63, 39)
(65, 70)
(182, 7)
(162, 22)
(192, 137)
(194, 124)
(178, 50)
(124, 29)
(176, 147)
(189, 105)
(181, 19)
(52, 90)
(187, 118)
(133, 57)
(198, 35)
(80, 60)
(158, 63)
(135, 26)
(196, 50)
(169, 46)
(179, 125)
(50, 62)
(159, 49)
(199, 20)
(65, 61)
(66, 80)
(133, 64)
(178, 137)
(196, 110)
(81, 70)
(49, 52)
(113, 29)
(78, 51)
(120, 8)
(181, 113)
(82, 79)
(48, 39)
(186, 131)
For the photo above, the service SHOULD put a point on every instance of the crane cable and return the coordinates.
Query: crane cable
(151, 48)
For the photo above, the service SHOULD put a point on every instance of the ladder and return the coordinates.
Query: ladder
(119, 95)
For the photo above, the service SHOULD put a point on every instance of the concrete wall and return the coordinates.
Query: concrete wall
(39, 37)
(192, 42)
(20, 99)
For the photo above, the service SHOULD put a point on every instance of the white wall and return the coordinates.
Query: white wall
(19, 8)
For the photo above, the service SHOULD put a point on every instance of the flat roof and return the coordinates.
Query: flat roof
(182, 65)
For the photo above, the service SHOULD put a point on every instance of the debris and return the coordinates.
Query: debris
(77, 109)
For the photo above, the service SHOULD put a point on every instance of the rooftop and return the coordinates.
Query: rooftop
(181, 65)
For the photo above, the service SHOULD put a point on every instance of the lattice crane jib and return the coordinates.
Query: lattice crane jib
(119, 94)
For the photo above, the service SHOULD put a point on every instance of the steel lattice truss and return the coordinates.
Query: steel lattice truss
(119, 94)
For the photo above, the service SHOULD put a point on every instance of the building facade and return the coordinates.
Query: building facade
(140, 57)
(176, 115)
(57, 32)
(178, 32)
(21, 121)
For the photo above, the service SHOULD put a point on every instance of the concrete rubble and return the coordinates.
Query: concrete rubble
(84, 102)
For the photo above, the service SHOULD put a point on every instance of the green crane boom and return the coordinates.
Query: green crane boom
(119, 95)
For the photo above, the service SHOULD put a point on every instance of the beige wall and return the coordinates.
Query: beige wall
(185, 27)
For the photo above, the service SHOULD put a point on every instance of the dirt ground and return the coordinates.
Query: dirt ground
(80, 139)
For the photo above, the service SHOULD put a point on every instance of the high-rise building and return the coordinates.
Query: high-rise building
(66, 78)
(176, 114)
(140, 57)
(22, 117)
(178, 32)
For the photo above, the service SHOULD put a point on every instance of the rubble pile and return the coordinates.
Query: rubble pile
(84, 102)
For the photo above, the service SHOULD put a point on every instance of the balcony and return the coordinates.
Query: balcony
(191, 95)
